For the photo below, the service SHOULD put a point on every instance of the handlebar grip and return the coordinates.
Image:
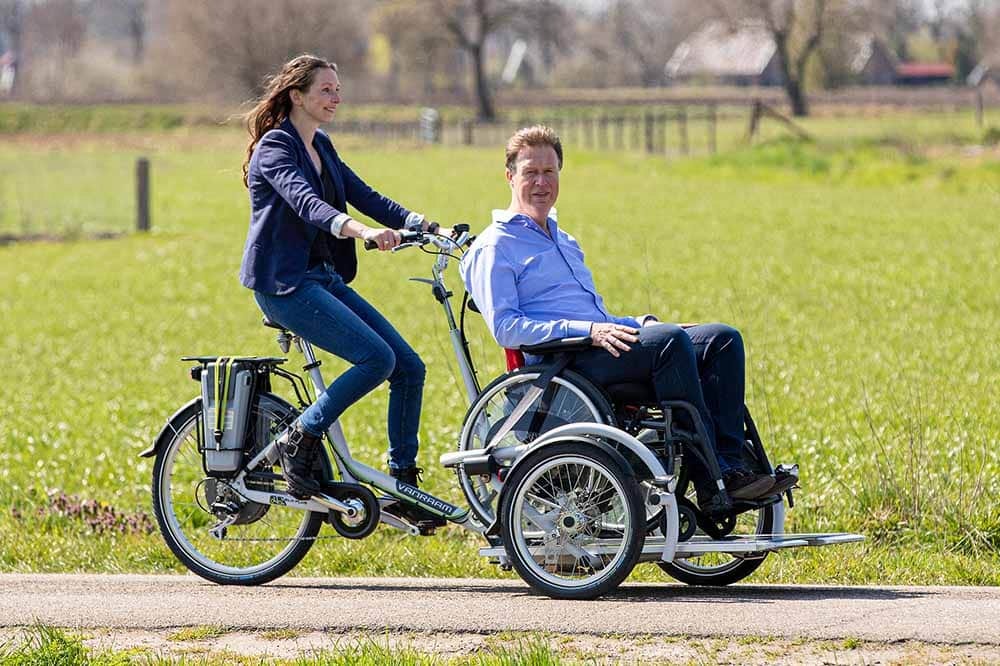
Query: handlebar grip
(404, 237)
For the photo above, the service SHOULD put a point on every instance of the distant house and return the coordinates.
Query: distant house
(873, 64)
(924, 73)
(719, 52)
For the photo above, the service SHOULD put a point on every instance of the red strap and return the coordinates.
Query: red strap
(515, 359)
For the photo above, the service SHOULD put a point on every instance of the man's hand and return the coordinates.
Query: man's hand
(385, 239)
(613, 337)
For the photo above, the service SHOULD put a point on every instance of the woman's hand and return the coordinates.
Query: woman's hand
(384, 239)
(613, 337)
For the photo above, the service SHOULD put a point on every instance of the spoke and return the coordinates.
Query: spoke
(541, 500)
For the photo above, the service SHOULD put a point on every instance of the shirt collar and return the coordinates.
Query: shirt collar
(504, 216)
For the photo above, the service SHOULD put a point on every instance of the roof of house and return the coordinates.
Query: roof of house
(925, 70)
(721, 49)
(865, 45)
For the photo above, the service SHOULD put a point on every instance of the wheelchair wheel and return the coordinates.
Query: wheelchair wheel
(570, 398)
(572, 521)
(263, 542)
(718, 569)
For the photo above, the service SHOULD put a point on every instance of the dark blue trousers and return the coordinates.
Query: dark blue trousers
(702, 364)
(335, 318)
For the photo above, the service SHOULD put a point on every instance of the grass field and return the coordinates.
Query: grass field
(862, 269)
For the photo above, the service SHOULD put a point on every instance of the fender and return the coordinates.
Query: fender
(168, 429)
(596, 434)
(605, 432)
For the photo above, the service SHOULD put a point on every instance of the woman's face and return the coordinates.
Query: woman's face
(320, 101)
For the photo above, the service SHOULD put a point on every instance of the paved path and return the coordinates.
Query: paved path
(931, 614)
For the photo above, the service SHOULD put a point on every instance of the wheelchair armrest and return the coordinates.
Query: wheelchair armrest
(556, 346)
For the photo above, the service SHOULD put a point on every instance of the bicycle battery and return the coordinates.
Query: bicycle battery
(226, 388)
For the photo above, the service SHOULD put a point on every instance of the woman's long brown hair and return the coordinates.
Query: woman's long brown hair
(276, 103)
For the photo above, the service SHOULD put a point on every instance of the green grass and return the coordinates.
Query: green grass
(196, 633)
(862, 272)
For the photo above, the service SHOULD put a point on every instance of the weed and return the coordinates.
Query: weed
(201, 633)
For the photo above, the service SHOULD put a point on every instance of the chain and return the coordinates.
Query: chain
(264, 539)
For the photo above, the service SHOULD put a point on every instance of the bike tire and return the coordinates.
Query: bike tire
(558, 471)
(185, 535)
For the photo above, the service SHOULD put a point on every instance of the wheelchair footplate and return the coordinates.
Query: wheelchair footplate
(749, 545)
(697, 546)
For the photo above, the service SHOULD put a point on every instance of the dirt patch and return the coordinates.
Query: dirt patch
(293, 644)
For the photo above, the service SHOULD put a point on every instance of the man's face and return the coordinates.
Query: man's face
(534, 182)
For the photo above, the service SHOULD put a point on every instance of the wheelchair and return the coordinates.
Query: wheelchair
(547, 403)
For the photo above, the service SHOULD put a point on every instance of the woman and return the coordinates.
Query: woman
(300, 255)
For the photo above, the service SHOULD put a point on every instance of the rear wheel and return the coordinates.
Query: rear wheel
(572, 521)
(719, 569)
(214, 531)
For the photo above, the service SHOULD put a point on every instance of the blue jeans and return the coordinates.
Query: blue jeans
(334, 317)
(703, 365)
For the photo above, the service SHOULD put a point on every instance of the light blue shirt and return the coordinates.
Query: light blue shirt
(531, 287)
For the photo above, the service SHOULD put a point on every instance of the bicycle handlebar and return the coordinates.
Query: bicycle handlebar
(411, 238)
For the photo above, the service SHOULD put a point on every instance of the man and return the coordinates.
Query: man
(528, 278)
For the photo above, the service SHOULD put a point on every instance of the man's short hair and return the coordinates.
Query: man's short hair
(537, 135)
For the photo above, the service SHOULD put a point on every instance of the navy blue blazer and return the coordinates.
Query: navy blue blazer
(287, 210)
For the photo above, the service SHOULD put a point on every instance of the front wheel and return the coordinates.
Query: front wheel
(260, 542)
(572, 521)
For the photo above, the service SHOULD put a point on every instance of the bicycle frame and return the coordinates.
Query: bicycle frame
(354, 471)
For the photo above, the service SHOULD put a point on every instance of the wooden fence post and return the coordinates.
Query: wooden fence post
(142, 194)
(755, 114)
(979, 107)
(467, 132)
(649, 133)
(712, 146)
(682, 128)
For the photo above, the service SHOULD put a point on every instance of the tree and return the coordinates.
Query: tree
(470, 23)
(226, 47)
(134, 12)
(797, 27)
(417, 52)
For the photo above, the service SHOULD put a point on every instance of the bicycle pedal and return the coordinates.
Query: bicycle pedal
(427, 527)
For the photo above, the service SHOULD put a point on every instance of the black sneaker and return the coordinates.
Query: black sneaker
(416, 514)
(743, 484)
(297, 450)
(409, 475)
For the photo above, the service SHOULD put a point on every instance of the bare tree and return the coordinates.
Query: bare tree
(226, 47)
(797, 27)
(134, 12)
(418, 53)
(896, 21)
(470, 23)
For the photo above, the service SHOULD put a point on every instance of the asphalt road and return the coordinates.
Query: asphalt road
(950, 615)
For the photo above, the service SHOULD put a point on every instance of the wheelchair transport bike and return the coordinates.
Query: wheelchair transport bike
(569, 484)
